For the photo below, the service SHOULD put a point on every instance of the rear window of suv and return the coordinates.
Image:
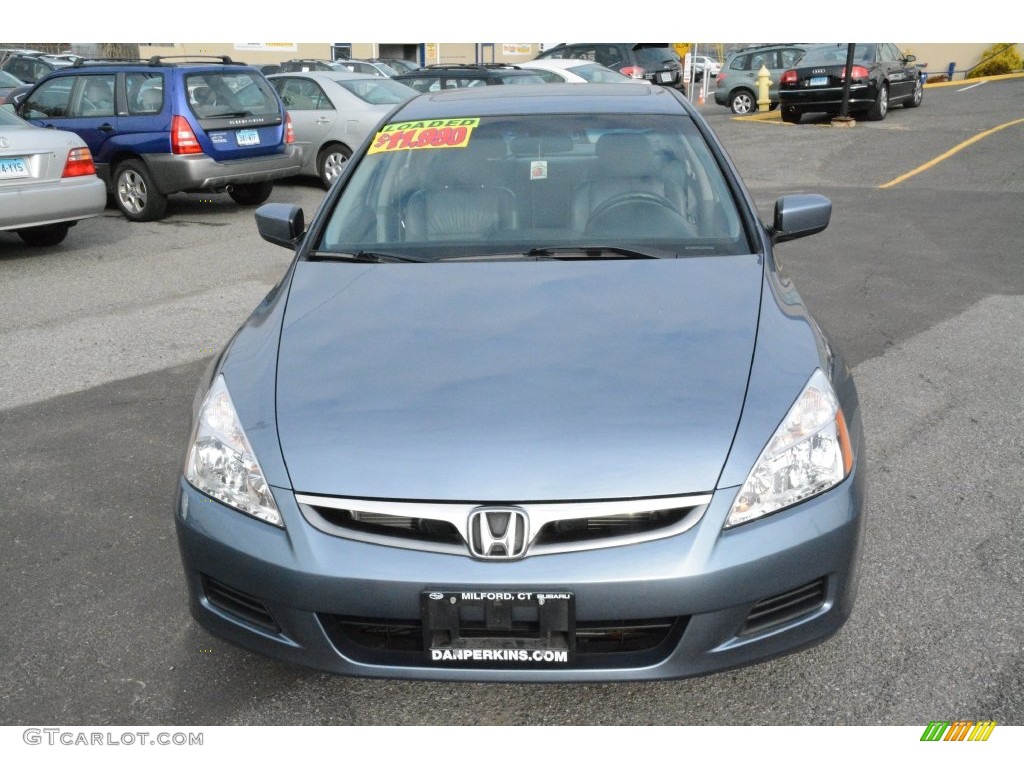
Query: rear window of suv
(230, 94)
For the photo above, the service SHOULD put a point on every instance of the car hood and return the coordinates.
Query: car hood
(515, 381)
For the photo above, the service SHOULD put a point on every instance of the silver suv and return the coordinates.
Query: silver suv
(736, 84)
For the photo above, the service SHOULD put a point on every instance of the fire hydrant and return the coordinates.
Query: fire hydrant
(764, 80)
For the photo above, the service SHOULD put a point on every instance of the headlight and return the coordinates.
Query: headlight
(809, 453)
(221, 462)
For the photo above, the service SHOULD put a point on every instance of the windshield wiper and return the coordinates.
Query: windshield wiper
(584, 252)
(370, 257)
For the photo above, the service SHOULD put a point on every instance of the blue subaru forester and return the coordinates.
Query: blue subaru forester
(156, 127)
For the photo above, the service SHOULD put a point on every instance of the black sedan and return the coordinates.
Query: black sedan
(881, 75)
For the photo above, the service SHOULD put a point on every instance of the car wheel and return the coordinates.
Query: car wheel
(136, 194)
(880, 108)
(790, 115)
(331, 162)
(251, 194)
(742, 102)
(915, 99)
(51, 234)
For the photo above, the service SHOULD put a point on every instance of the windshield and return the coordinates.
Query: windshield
(836, 54)
(230, 93)
(378, 90)
(473, 187)
(598, 73)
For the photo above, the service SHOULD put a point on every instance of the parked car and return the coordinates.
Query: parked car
(399, 65)
(30, 68)
(656, 62)
(333, 113)
(439, 77)
(577, 71)
(8, 83)
(881, 75)
(160, 127)
(736, 84)
(532, 403)
(48, 181)
(705, 64)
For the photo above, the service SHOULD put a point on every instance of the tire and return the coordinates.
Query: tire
(916, 97)
(51, 234)
(880, 108)
(742, 102)
(791, 115)
(251, 194)
(135, 194)
(330, 163)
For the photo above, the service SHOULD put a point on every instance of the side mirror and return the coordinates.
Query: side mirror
(910, 58)
(799, 216)
(281, 224)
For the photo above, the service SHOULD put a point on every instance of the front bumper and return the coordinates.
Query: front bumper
(286, 593)
(195, 173)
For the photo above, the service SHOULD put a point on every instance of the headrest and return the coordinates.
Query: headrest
(625, 154)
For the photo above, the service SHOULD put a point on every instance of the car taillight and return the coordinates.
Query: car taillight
(79, 163)
(789, 77)
(183, 138)
(720, 79)
(637, 73)
(289, 130)
(859, 73)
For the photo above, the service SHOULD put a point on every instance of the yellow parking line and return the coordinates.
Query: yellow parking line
(948, 154)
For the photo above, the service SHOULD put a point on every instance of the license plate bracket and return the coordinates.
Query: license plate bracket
(247, 137)
(505, 628)
(14, 168)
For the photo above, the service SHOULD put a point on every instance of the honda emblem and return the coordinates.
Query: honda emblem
(498, 533)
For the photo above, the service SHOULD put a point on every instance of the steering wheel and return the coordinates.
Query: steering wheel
(647, 199)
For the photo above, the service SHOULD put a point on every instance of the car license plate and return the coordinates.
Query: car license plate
(511, 627)
(247, 137)
(816, 81)
(13, 168)
(665, 77)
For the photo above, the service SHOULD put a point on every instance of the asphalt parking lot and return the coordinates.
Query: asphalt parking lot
(919, 282)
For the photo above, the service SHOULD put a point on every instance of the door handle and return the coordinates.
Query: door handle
(106, 128)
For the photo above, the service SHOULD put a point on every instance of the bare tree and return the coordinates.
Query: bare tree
(119, 50)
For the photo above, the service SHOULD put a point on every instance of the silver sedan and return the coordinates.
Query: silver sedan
(47, 181)
(333, 113)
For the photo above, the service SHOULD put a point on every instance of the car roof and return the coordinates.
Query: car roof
(558, 63)
(549, 98)
(332, 75)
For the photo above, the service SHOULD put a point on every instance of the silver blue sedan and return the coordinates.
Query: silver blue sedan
(333, 113)
(48, 181)
(534, 402)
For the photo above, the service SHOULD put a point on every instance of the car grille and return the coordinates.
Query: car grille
(598, 643)
(782, 609)
(553, 527)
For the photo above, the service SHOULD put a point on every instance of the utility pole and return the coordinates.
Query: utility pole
(844, 119)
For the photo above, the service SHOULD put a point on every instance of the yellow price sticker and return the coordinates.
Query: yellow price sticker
(424, 134)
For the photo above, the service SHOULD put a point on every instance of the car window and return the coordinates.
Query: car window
(655, 58)
(9, 80)
(230, 93)
(300, 93)
(550, 77)
(95, 97)
(789, 57)
(145, 92)
(51, 99)
(535, 180)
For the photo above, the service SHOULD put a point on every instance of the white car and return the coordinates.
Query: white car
(577, 71)
(702, 64)
(48, 181)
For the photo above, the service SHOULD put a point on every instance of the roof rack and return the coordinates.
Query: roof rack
(472, 66)
(99, 62)
(191, 58)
